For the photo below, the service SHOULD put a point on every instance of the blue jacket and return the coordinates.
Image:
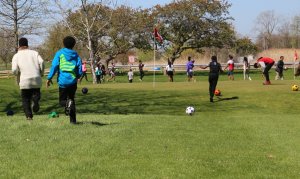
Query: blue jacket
(68, 65)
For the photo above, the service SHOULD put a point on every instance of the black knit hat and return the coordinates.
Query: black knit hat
(23, 42)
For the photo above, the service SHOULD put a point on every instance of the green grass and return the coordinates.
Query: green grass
(140, 130)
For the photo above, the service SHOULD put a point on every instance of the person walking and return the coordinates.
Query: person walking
(141, 69)
(279, 68)
(67, 64)
(214, 71)
(230, 66)
(84, 72)
(170, 71)
(130, 75)
(265, 63)
(246, 68)
(28, 66)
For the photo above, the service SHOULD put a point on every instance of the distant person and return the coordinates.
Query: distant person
(170, 71)
(28, 65)
(84, 70)
(112, 72)
(265, 63)
(98, 73)
(189, 68)
(279, 68)
(246, 68)
(230, 66)
(67, 64)
(141, 70)
(214, 71)
(130, 75)
(103, 70)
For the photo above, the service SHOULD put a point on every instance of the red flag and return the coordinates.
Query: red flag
(157, 36)
(296, 55)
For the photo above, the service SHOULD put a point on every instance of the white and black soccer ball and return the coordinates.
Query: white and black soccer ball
(190, 110)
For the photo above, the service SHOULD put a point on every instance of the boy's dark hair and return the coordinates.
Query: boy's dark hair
(230, 56)
(214, 58)
(255, 65)
(69, 42)
(23, 42)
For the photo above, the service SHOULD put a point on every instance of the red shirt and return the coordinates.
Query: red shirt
(266, 60)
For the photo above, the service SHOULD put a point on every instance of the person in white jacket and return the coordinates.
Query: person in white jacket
(28, 66)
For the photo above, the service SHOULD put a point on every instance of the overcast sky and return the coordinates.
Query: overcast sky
(244, 12)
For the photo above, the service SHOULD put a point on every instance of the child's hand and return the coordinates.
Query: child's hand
(48, 83)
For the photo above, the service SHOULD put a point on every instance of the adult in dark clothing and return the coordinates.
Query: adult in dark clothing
(141, 69)
(266, 64)
(214, 71)
(279, 68)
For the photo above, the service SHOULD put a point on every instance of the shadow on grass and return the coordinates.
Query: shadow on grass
(94, 123)
(226, 99)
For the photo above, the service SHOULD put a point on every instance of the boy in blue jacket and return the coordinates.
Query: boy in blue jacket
(67, 64)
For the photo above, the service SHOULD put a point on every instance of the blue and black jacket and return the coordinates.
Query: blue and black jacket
(68, 65)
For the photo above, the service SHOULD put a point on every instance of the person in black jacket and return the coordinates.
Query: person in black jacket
(214, 71)
(279, 68)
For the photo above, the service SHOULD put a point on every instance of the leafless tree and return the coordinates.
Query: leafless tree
(88, 13)
(20, 17)
(266, 24)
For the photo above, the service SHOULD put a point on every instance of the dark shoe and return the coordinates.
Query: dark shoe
(211, 100)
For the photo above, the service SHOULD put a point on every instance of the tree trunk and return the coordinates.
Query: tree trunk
(16, 34)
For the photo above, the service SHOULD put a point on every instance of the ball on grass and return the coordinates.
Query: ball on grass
(218, 92)
(295, 87)
(190, 110)
(84, 90)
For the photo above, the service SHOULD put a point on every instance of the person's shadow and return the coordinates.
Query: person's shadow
(226, 99)
(93, 123)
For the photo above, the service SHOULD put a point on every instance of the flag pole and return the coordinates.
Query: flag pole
(154, 58)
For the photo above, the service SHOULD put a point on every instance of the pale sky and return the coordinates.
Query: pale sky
(244, 12)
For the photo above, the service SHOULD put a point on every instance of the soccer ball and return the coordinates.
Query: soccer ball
(84, 90)
(217, 92)
(295, 87)
(190, 110)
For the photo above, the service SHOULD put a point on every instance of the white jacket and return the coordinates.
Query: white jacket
(28, 65)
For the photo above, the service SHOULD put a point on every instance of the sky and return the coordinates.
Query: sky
(244, 12)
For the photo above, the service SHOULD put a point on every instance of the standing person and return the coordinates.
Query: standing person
(84, 70)
(230, 66)
(130, 75)
(112, 72)
(67, 64)
(28, 65)
(170, 70)
(246, 68)
(266, 64)
(279, 68)
(98, 73)
(141, 69)
(103, 70)
(189, 68)
(214, 71)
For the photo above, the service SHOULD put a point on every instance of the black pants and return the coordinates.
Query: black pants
(266, 71)
(64, 95)
(98, 77)
(213, 80)
(29, 95)
(142, 74)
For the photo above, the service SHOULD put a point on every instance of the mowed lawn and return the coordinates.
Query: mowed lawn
(140, 130)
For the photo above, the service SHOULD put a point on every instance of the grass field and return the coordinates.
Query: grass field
(140, 130)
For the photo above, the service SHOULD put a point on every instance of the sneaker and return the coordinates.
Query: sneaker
(35, 106)
(68, 107)
(211, 100)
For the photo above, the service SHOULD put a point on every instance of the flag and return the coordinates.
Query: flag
(157, 36)
(296, 55)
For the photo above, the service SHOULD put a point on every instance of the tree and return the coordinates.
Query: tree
(86, 23)
(19, 17)
(266, 23)
(244, 46)
(7, 49)
(194, 24)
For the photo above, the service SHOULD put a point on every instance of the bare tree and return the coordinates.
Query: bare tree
(80, 17)
(7, 49)
(266, 23)
(19, 17)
